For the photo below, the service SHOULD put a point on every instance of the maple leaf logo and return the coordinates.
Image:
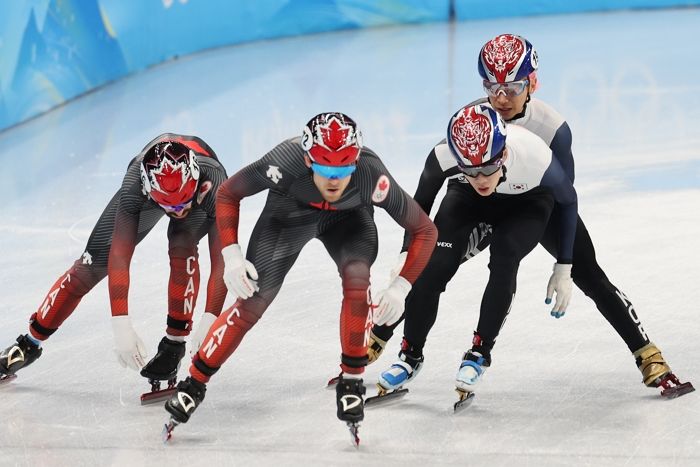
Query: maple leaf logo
(334, 134)
(170, 177)
(381, 190)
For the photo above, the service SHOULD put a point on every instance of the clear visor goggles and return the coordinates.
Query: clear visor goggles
(512, 89)
(333, 171)
(484, 169)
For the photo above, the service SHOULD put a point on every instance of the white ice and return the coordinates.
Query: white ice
(560, 392)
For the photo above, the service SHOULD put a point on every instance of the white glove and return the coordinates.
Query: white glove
(391, 301)
(237, 271)
(561, 283)
(200, 331)
(396, 270)
(127, 345)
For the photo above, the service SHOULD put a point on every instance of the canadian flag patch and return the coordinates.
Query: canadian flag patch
(381, 190)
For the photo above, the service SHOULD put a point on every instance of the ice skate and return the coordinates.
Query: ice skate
(19, 355)
(333, 382)
(189, 394)
(163, 367)
(391, 381)
(469, 374)
(349, 392)
(375, 347)
(656, 373)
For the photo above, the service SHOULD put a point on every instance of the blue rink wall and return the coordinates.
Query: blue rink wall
(54, 50)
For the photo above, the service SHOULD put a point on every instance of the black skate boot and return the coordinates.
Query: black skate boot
(189, 394)
(181, 406)
(349, 392)
(166, 362)
(19, 355)
(351, 410)
(163, 367)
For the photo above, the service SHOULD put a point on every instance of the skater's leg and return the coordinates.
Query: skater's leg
(453, 220)
(514, 236)
(588, 276)
(351, 241)
(277, 238)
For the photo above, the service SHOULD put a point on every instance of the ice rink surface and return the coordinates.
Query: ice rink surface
(560, 392)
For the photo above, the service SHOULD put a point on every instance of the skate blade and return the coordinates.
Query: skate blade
(168, 430)
(333, 382)
(465, 400)
(383, 396)
(154, 397)
(4, 379)
(354, 433)
(677, 391)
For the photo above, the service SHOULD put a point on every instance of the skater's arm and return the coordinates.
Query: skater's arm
(216, 289)
(131, 202)
(429, 183)
(409, 215)
(567, 204)
(561, 149)
(266, 173)
(439, 166)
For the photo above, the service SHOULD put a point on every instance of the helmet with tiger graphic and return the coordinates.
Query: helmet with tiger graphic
(476, 136)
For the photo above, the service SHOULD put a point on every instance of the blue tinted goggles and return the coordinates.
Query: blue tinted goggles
(333, 171)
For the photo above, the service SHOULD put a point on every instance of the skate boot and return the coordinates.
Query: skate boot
(19, 355)
(656, 372)
(190, 393)
(163, 367)
(166, 362)
(652, 365)
(401, 372)
(375, 347)
(351, 409)
(469, 374)
(349, 392)
(470, 371)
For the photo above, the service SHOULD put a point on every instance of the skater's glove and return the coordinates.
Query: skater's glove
(200, 332)
(560, 283)
(391, 301)
(396, 270)
(240, 275)
(127, 345)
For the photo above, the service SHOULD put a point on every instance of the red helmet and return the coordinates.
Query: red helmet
(332, 138)
(169, 173)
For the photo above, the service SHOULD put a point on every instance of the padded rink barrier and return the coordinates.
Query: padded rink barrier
(54, 50)
(483, 9)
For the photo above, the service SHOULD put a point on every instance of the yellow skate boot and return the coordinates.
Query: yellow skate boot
(656, 372)
(652, 365)
(375, 347)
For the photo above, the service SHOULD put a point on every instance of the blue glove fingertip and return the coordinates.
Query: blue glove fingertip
(547, 301)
